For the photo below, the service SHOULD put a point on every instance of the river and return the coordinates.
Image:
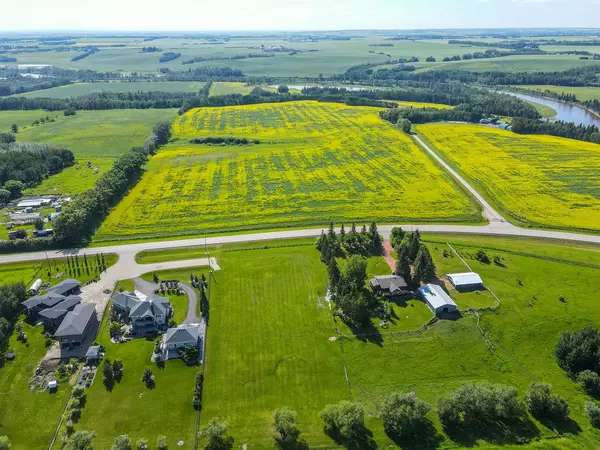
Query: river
(565, 111)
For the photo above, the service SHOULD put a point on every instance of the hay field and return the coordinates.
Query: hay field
(77, 89)
(316, 162)
(537, 180)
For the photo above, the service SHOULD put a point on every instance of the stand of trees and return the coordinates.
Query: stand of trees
(30, 163)
(411, 251)
(11, 296)
(589, 133)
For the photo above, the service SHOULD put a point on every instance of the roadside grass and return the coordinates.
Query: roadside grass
(96, 136)
(45, 269)
(316, 162)
(541, 181)
(77, 89)
(131, 408)
(28, 417)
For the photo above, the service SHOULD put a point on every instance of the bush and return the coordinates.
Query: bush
(215, 433)
(346, 418)
(589, 381)
(161, 443)
(543, 404)
(403, 413)
(4, 196)
(482, 257)
(592, 411)
(189, 353)
(286, 424)
(472, 403)
(578, 351)
(4, 443)
(122, 443)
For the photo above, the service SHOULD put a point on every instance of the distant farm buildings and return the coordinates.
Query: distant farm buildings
(437, 299)
(468, 281)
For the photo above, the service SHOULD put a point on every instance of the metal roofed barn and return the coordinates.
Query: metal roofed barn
(468, 281)
(436, 298)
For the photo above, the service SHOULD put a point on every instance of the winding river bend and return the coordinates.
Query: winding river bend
(565, 111)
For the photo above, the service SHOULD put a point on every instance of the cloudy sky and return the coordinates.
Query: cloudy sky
(293, 14)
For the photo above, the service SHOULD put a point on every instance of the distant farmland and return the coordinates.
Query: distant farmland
(316, 162)
(538, 180)
(75, 90)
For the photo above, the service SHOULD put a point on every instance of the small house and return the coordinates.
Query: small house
(94, 354)
(437, 299)
(186, 335)
(390, 286)
(468, 281)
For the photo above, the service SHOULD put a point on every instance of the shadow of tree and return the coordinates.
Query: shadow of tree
(298, 444)
(365, 332)
(425, 437)
(362, 439)
(519, 431)
(566, 426)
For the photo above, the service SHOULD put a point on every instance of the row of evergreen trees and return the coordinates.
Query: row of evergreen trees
(412, 252)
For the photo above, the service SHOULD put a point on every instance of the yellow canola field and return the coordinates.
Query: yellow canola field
(541, 180)
(315, 163)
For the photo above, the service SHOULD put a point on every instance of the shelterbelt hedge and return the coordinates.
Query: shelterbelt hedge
(305, 163)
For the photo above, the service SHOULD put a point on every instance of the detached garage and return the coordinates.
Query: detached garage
(436, 298)
(468, 281)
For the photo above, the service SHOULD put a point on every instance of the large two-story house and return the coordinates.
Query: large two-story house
(147, 315)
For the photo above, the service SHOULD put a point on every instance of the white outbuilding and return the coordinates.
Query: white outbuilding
(436, 298)
(34, 289)
(468, 281)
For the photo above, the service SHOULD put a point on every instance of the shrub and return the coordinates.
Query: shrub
(161, 443)
(483, 402)
(4, 443)
(80, 440)
(346, 418)
(589, 381)
(189, 353)
(592, 411)
(142, 444)
(543, 404)
(403, 413)
(482, 256)
(215, 433)
(122, 443)
(578, 351)
(286, 424)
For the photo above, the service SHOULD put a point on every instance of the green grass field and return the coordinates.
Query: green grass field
(95, 136)
(582, 93)
(545, 111)
(75, 90)
(131, 408)
(535, 180)
(224, 88)
(21, 118)
(47, 269)
(28, 417)
(280, 346)
(316, 162)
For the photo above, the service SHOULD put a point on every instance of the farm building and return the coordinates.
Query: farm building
(436, 298)
(468, 281)
(24, 218)
(34, 203)
(34, 289)
(390, 286)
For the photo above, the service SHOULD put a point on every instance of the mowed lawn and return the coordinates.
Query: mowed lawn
(535, 180)
(28, 417)
(268, 344)
(95, 136)
(131, 408)
(316, 162)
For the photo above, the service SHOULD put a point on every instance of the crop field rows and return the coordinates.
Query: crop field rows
(540, 180)
(315, 163)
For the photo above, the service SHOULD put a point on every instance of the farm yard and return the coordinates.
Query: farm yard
(535, 180)
(95, 136)
(315, 162)
(273, 297)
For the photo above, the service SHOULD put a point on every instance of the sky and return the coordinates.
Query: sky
(212, 15)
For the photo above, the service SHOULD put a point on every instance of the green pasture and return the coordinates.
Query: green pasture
(581, 92)
(75, 90)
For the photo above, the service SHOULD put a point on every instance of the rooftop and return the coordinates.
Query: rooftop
(463, 279)
(65, 286)
(435, 296)
(182, 334)
(389, 282)
(76, 321)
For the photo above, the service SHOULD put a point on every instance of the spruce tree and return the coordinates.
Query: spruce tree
(403, 265)
(424, 266)
(414, 244)
(374, 237)
(342, 233)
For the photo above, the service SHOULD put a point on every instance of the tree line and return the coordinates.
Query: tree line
(11, 296)
(590, 133)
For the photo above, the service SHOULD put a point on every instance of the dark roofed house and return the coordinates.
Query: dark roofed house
(39, 302)
(66, 287)
(76, 325)
(53, 316)
(390, 286)
(147, 314)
